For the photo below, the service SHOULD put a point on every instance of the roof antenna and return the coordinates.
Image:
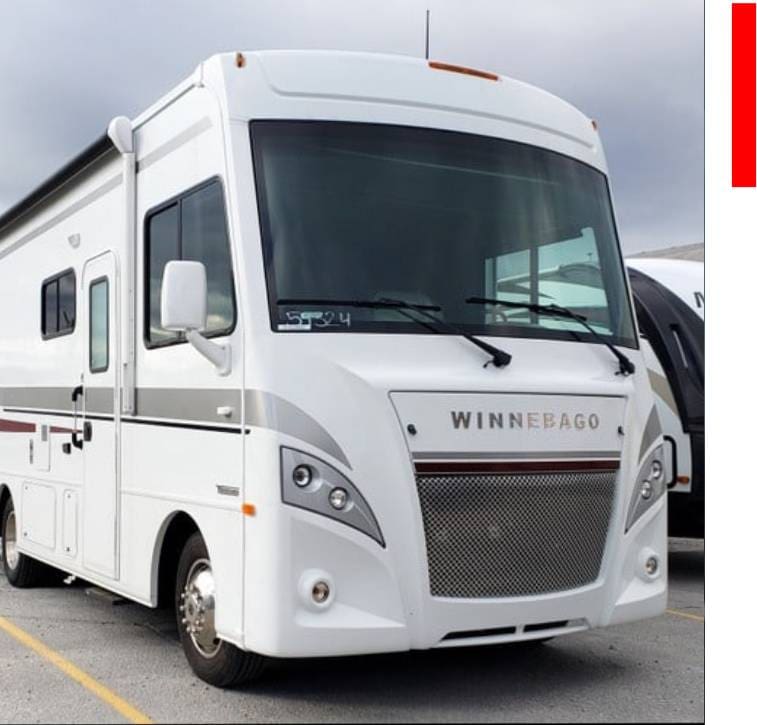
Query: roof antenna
(428, 23)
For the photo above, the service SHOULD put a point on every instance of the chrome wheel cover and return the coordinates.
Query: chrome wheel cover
(10, 541)
(197, 608)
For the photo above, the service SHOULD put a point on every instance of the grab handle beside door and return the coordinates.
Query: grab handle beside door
(76, 393)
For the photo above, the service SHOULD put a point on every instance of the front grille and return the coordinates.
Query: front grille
(509, 535)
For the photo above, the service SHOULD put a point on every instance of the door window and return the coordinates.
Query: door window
(99, 352)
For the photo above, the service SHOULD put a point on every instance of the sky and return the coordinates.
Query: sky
(636, 66)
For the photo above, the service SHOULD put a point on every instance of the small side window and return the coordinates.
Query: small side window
(99, 352)
(59, 305)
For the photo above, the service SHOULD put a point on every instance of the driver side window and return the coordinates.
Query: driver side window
(190, 227)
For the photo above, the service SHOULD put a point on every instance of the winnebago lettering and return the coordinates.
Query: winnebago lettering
(332, 353)
(531, 420)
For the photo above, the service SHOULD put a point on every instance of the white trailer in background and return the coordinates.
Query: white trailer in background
(256, 363)
(669, 298)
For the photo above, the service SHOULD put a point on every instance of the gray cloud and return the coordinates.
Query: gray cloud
(636, 66)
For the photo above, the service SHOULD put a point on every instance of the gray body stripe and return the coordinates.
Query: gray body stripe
(190, 404)
(99, 400)
(58, 218)
(42, 398)
(267, 410)
(179, 140)
(500, 455)
(652, 431)
(661, 388)
(264, 410)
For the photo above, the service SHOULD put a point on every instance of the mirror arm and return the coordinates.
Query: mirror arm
(219, 355)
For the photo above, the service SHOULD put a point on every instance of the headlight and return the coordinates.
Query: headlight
(302, 476)
(312, 484)
(338, 498)
(650, 485)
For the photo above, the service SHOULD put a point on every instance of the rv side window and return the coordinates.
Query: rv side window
(59, 305)
(99, 352)
(192, 227)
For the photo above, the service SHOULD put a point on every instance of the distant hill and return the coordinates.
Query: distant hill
(694, 252)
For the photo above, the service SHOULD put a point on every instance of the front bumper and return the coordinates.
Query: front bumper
(381, 602)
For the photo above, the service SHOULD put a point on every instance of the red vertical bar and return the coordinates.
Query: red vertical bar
(744, 98)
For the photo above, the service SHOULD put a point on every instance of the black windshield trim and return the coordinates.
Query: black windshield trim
(372, 327)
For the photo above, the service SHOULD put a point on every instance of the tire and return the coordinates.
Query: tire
(216, 662)
(22, 571)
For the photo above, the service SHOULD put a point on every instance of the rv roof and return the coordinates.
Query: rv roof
(283, 71)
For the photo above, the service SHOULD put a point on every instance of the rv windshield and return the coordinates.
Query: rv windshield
(369, 212)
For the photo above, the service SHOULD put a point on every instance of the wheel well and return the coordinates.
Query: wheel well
(182, 526)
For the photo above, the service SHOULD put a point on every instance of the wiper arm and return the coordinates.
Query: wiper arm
(499, 357)
(626, 367)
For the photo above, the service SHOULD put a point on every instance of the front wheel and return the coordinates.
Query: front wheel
(213, 660)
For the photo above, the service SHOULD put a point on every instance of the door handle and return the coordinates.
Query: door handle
(76, 393)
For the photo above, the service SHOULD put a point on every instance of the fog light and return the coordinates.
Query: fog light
(338, 498)
(651, 565)
(656, 469)
(321, 592)
(302, 475)
(646, 490)
(317, 590)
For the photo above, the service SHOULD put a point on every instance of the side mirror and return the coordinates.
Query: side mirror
(184, 308)
(184, 297)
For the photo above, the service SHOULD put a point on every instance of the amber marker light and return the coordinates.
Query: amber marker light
(683, 479)
(438, 65)
(241, 60)
(248, 509)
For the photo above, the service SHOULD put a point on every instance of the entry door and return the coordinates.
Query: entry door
(100, 416)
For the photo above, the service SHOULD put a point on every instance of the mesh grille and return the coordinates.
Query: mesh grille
(506, 535)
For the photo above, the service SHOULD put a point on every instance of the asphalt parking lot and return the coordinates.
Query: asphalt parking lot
(645, 671)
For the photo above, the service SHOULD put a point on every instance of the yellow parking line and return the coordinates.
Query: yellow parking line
(107, 696)
(686, 615)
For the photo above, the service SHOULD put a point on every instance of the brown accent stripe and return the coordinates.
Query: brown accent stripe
(16, 426)
(57, 429)
(441, 467)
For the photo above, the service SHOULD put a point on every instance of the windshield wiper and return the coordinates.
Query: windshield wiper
(625, 365)
(499, 357)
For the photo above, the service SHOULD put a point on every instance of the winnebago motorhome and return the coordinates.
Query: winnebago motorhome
(669, 298)
(265, 357)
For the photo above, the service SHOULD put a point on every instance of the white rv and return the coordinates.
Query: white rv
(260, 359)
(669, 298)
